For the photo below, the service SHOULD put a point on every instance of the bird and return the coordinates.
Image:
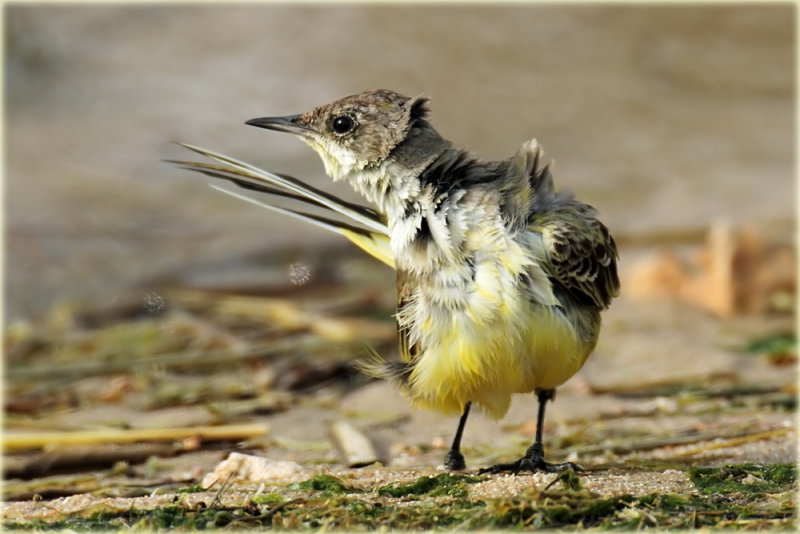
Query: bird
(501, 279)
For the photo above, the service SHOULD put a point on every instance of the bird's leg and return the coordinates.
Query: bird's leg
(454, 460)
(534, 457)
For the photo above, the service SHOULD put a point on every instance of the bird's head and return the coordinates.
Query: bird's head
(355, 133)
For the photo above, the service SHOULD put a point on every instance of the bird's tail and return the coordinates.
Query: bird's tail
(365, 227)
(375, 366)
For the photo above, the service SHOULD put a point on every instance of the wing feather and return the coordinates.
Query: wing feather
(581, 253)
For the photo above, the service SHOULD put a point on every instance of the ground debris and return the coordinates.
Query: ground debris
(744, 478)
(246, 467)
(736, 271)
(355, 447)
(355, 500)
(666, 392)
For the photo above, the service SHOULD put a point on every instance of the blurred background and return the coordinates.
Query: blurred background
(136, 297)
(666, 118)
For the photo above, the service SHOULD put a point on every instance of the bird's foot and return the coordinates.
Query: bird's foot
(532, 462)
(528, 465)
(454, 461)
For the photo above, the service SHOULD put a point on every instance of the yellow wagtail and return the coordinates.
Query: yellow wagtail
(500, 279)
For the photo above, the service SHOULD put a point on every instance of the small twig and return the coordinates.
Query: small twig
(303, 342)
(758, 436)
(66, 485)
(661, 387)
(210, 298)
(34, 440)
(288, 314)
(667, 442)
(43, 464)
(222, 488)
(694, 389)
(278, 507)
(552, 483)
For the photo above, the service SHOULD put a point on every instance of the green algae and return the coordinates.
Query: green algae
(744, 478)
(776, 344)
(562, 509)
(327, 484)
(442, 485)
(269, 499)
(569, 480)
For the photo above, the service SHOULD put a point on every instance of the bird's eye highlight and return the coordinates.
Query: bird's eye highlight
(343, 124)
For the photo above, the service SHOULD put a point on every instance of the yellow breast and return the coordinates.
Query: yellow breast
(487, 363)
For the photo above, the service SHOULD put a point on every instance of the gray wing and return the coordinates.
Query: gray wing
(581, 254)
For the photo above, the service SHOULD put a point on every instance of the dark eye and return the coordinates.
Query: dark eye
(343, 124)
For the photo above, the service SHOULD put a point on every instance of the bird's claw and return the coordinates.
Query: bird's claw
(529, 465)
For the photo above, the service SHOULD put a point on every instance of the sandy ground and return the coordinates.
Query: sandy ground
(626, 442)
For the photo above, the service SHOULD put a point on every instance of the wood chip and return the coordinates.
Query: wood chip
(356, 449)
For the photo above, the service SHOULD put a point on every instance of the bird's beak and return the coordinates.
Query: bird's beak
(293, 124)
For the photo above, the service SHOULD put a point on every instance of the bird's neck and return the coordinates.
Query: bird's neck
(394, 185)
